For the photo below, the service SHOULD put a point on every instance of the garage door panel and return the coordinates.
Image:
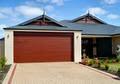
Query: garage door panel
(43, 47)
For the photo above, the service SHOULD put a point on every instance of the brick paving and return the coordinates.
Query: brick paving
(58, 73)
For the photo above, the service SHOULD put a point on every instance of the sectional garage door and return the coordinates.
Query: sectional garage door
(43, 47)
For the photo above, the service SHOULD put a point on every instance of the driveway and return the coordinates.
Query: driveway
(58, 73)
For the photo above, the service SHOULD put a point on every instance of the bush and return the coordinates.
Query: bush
(91, 62)
(99, 65)
(106, 67)
(0, 67)
(85, 60)
(117, 60)
(102, 61)
(118, 72)
(118, 57)
(2, 62)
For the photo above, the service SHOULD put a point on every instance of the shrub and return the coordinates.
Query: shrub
(118, 58)
(106, 60)
(85, 60)
(102, 61)
(96, 60)
(0, 67)
(91, 62)
(2, 62)
(106, 67)
(99, 65)
(118, 72)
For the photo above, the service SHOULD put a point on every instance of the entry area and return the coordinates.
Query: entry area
(43, 47)
(97, 47)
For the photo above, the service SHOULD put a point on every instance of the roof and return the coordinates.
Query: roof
(39, 17)
(35, 27)
(1, 38)
(66, 25)
(94, 29)
(89, 15)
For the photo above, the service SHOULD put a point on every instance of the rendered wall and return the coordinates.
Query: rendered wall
(9, 44)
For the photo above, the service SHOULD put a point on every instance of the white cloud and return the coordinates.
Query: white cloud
(29, 11)
(8, 12)
(5, 12)
(44, 1)
(113, 16)
(2, 26)
(110, 1)
(97, 11)
(2, 16)
(1, 30)
(49, 8)
(58, 2)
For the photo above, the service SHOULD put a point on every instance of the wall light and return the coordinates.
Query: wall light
(7, 36)
(77, 37)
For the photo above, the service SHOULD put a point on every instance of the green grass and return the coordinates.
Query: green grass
(114, 66)
(112, 63)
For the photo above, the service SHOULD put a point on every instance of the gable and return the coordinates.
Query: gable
(42, 20)
(90, 19)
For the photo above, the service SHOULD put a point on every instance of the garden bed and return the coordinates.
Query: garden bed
(108, 65)
(113, 68)
(4, 72)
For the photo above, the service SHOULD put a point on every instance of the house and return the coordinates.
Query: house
(2, 47)
(44, 39)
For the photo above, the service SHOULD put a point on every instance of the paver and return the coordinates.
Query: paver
(58, 73)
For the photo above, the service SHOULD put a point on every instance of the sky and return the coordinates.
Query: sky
(13, 12)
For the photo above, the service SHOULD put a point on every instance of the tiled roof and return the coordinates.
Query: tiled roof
(105, 29)
(35, 27)
(97, 29)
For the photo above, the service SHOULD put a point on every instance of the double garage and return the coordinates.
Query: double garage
(43, 47)
(30, 47)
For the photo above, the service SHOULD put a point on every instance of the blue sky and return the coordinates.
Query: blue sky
(13, 12)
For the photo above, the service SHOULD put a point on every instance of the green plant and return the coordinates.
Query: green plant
(2, 62)
(102, 61)
(99, 65)
(118, 72)
(91, 62)
(0, 67)
(85, 60)
(106, 67)
(118, 58)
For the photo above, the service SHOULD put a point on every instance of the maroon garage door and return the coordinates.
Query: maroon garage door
(42, 47)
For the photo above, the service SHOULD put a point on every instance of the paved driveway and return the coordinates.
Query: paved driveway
(58, 73)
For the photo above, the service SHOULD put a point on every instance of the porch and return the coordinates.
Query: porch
(96, 46)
